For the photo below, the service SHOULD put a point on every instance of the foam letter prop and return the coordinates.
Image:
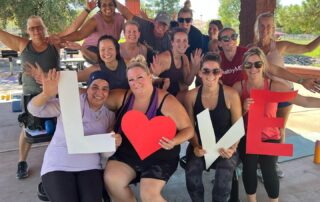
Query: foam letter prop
(208, 138)
(72, 120)
(145, 134)
(257, 121)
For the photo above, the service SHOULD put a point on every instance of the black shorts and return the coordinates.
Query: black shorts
(161, 170)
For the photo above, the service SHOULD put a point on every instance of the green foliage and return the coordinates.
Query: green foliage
(57, 15)
(229, 12)
(170, 6)
(300, 18)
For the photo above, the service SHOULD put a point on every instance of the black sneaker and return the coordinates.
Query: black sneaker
(22, 171)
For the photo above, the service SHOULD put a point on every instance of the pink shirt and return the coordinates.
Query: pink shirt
(104, 28)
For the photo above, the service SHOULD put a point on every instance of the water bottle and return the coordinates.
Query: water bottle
(49, 126)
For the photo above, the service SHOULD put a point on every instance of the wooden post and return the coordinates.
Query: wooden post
(248, 13)
(134, 6)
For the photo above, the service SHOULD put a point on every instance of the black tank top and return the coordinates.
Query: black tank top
(126, 151)
(175, 75)
(220, 115)
(116, 78)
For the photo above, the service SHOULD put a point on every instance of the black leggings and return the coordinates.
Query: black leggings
(268, 170)
(223, 177)
(83, 186)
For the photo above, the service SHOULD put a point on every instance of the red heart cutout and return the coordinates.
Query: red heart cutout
(145, 134)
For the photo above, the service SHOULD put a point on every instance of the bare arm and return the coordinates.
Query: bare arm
(173, 108)
(85, 52)
(13, 42)
(293, 48)
(127, 14)
(115, 99)
(310, 83)
(84, 74)
(87, 29)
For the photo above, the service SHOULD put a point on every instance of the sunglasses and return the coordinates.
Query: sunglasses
(249, 65)
(226, 38)
(187, 20)
(215, 71)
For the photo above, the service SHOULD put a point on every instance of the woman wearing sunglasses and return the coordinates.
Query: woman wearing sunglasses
(264, 38)
(254, 66)
(224, 106)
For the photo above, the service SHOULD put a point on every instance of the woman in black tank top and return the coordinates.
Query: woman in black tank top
(125, 165)
(224, 107)
(174, 63)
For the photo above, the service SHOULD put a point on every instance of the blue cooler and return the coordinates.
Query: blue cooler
(16, 106)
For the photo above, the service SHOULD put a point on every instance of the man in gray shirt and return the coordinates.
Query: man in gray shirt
(154, 34)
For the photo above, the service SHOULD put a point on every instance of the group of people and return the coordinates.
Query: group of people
(151, 72)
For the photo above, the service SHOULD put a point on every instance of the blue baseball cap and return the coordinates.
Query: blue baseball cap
(97, 75)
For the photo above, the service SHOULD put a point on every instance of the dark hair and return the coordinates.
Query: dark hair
(113, 1)
(217, 23)
(177, 30)
(115, 43)
(223, 30)
(210, 57)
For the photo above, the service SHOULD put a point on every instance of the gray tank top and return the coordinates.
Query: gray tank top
(47, 59)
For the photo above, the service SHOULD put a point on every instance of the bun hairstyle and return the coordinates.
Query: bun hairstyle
(138, 61)
(99, 3)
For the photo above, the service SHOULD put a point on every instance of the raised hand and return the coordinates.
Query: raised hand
(34, 71)
(247, 103)
(91, 4)
(50, 83)
(196, 58)
(156, 67)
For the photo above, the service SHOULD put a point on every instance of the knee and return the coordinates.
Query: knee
(149, 194)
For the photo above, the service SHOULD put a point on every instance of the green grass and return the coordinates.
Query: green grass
(315, 53)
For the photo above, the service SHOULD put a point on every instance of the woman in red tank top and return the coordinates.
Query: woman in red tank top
(254, 65)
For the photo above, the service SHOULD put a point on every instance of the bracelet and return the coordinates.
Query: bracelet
(300, 80)
(87, 10)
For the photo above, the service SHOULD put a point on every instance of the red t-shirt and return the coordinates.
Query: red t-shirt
(232, 70)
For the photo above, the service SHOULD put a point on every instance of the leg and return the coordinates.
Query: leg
(24, 147)
(193, 172)
(117, 176)
(223, 178)
(90, 185)
(249, 176)
(60, 186)
(269, 174)
(150, 190)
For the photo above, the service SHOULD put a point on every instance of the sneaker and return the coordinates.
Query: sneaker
(22, 171)
(280, 173)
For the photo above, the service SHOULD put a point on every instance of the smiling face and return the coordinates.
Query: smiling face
(160, 28)
(107, 8)
(180, 42)
(230, 45)
(210, 73)
(107, 51)
(131, 33)
(266, 27)
(139, 80)
(255, 71)
(36, 29)
(184, 20)
(97, 93)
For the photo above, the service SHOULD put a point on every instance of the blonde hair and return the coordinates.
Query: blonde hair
(138, 61)
(36, 17)
(257, 36)
(258, 52)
